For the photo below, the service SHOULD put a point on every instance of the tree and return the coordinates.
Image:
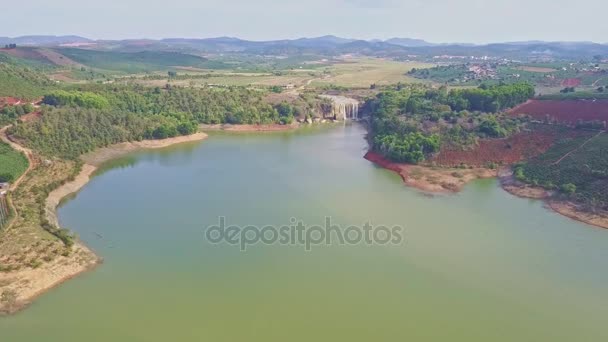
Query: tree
(568, 188)
(568, 90)
(276, 89)
(492, 128)
(172, 74)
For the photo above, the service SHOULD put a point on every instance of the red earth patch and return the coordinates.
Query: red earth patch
(564, 111)
(571, 82)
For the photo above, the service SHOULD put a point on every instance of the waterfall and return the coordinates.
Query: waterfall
(343, 108)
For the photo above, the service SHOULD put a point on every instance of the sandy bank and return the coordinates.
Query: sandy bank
(432, 179)
(574, 212)
(249, 128)
(102, 155)
(28, 283)
(519, 189)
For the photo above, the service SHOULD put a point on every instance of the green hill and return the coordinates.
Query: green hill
(19, 81)
(136, 62)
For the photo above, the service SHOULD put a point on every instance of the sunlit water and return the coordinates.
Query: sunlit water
(480, 265)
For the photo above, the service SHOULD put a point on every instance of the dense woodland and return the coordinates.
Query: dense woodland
(235, 105)
(410, 122)
(77, 121)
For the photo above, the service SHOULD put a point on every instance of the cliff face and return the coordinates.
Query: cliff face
(343, 108)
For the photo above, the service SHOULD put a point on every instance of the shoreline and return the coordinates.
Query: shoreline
(94, 159)
(560, 206)
(436, 180)
(82, 259)
(445, 184)
(249, 128)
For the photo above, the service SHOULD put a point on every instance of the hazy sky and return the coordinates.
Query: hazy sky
(475, 21)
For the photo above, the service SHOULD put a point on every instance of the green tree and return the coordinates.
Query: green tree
(568, 188)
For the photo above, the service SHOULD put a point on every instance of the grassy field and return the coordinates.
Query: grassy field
(230, 79)
(351, 73)
(361, 73)
(12, 163)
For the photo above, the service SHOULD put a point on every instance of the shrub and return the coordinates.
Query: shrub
(568, 188)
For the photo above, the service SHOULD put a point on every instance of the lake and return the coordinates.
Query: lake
(480, 265)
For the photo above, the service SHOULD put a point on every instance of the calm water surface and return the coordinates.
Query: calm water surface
(480, 265)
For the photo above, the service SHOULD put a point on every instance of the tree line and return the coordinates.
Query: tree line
(76, 121)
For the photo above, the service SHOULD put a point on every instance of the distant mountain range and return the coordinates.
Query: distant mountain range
(409, 42)
(44, 40)
(326, 45)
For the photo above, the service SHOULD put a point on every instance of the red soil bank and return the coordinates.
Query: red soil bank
(385, 163)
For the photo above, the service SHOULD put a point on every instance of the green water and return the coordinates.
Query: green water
(480, 265)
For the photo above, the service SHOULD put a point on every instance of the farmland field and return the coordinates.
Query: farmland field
(361, 73)
(581, 161)
(564, 111)
(536, 69)
(137, 62)
(510, 150)
(230, 79)
(12, 163)
(571, 82)
(353, 72)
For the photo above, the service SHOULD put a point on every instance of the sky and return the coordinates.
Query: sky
(439, 21)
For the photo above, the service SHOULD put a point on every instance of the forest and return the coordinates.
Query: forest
(75, 121)
(410, 122)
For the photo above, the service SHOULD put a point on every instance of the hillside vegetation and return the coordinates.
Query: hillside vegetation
(78, 121)
(12, 163)
(136, 62)
(20, 81)
(577, 167)
(409, 123)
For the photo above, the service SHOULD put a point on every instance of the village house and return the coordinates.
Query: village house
(4, 188)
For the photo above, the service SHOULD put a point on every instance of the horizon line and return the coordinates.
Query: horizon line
(309, 37)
